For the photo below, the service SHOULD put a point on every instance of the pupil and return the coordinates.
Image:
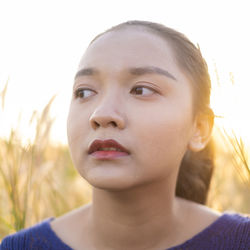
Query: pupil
(81, 94)
(139, 90)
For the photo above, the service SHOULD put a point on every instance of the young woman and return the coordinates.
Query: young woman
(139, 130)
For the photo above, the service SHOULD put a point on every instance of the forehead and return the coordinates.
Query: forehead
(129, 47)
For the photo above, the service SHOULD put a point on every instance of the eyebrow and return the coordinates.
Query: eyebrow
(86, 72)
(138, 71)
(151, 70)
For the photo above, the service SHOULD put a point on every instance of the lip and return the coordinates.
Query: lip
(108, 155)
(97, 144)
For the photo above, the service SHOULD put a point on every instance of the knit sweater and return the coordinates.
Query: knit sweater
(229, 231)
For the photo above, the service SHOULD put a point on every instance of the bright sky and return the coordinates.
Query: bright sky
(41, 43)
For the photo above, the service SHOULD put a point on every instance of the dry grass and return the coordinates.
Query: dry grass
(37, 180)
(231, 179)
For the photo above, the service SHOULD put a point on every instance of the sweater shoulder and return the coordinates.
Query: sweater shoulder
(232, 231)
(35, 237)
(239, 226)
(229, 231)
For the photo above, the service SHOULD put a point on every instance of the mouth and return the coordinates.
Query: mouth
(107, 149)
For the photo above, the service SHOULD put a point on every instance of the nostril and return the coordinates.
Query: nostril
(96, 124)
(113, 124)
(97, 121)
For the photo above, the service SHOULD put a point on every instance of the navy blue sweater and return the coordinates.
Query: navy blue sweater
(229, 231)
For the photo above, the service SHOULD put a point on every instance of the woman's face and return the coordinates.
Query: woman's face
(130, 89)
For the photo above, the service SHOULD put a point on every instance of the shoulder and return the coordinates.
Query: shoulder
(38, 236)
(238, 224)
(212, 230)
(230, 230)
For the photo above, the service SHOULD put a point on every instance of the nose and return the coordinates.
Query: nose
(108, 113)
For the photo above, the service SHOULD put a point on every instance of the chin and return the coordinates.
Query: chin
(115, 181)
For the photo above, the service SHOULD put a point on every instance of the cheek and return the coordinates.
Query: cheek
(76, 131)
(72, 125)
(163, 137)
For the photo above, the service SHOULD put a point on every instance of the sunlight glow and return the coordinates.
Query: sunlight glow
(43, 44)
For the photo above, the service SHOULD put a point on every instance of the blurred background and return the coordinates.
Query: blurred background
(41, 43)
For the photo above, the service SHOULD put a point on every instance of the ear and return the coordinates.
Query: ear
(203, 126)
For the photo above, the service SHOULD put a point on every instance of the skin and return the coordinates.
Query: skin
(151, 114)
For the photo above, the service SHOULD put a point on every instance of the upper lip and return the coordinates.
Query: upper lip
(97, 144)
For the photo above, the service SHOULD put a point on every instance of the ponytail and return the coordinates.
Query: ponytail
(195, 174)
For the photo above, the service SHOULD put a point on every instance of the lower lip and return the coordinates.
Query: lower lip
(108, 155)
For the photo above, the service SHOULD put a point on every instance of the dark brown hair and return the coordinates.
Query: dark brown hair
(196, 167)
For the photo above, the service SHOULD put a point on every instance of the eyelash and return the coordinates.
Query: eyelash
(77, 93)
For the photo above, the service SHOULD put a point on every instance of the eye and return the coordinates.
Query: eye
(143, 91)
(83, 93)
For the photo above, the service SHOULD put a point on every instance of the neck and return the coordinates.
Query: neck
(145, 216)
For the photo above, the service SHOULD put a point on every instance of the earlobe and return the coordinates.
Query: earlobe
(196, 145)
(203, 127)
